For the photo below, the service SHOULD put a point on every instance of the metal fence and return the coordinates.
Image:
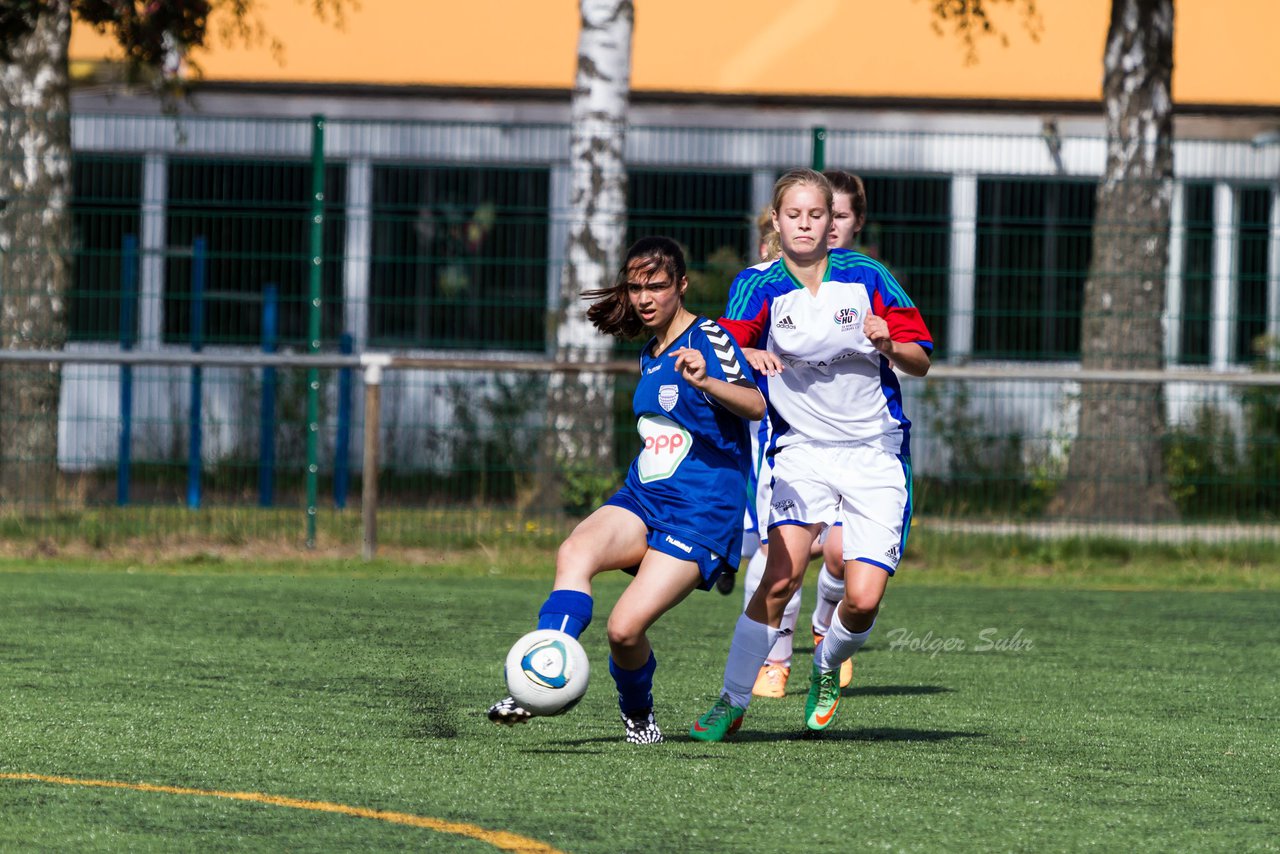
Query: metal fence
(213, 257)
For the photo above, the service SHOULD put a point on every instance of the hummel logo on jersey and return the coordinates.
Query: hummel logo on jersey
(673, 541)
(725, 355)
(785, 323)
(654, 368)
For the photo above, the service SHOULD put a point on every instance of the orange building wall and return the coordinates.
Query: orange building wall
(1224, 49)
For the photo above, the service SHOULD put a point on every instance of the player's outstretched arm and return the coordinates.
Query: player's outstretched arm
(745, 401)
(908, 357)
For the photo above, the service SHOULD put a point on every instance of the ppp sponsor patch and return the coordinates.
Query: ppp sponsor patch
(666, 444)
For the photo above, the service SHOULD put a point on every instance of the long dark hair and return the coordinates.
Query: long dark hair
(611, 312)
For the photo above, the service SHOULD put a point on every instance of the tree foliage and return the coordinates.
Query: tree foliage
(971, 20)
(157, 34)
(155, 40)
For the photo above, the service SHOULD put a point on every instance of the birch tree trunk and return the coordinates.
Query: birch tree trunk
(35, 233)
(1116, 467)
(578, 444)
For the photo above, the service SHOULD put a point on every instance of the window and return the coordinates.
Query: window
(1251, 271)
(255, 219)
(707, 213)
(459, 257)
(909, 229)
(105, 214)
(1197, 274)
(1034, 245)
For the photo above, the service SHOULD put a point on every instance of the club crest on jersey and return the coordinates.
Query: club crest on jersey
(845, 318)
(667, 396)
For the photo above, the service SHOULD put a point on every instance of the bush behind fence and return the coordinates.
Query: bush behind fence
(463, 439)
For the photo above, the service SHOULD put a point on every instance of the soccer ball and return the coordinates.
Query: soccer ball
(547, 672)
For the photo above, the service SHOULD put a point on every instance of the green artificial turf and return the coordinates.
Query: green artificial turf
(980, 718)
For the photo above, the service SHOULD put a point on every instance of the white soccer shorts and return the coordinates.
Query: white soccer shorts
(868, 490)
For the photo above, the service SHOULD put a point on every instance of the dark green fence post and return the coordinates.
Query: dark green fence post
(316, 282)
(819, 158)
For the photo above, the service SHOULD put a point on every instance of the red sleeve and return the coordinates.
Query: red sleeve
(749, 331)
(905, 322)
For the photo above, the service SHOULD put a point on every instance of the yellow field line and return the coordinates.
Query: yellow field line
(497, 838)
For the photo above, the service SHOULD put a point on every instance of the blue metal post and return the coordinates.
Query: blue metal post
(198, 262)
(128, 311)
(342, 451)
(267, 437)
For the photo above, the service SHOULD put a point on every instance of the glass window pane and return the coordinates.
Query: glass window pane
(909, 229)
(459, 257)
(1035, 239)
(254, 217)
(1197, 273)
(106, 206)
(1251, 272)
(707, 213)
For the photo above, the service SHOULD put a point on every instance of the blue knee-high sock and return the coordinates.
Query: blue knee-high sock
(635, 687)
(568, 611)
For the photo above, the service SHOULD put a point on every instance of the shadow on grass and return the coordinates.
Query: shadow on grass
(881, 690)
(891, 690)
(884, 734)
(860, 734)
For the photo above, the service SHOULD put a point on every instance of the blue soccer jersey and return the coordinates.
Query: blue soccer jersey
(689, 479)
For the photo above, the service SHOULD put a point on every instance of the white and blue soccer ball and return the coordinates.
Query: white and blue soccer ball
(547, 672)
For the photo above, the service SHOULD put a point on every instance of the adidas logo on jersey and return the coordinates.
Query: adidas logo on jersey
(785, 323)
(892, 553)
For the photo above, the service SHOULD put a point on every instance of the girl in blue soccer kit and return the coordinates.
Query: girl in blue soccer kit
(676, 524)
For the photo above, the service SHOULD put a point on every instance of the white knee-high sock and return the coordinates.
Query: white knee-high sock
(781, 651)
(830, 592)
(751, 643)
(838, 645)
(753, 575)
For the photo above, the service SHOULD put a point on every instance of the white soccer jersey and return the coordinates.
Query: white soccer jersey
(836, 387)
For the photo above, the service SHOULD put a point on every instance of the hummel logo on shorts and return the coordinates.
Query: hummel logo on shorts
(682, 546)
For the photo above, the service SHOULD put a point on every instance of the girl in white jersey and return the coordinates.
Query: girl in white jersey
(831, 326)
(849, 214)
